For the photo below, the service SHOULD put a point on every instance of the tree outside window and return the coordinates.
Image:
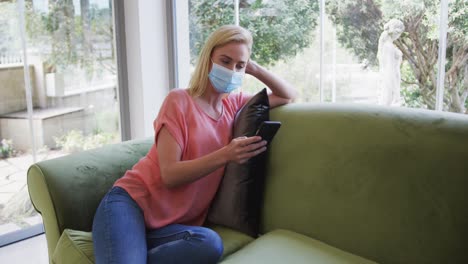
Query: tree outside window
(285, 31)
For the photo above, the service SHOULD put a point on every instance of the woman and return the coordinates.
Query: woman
(155, 212)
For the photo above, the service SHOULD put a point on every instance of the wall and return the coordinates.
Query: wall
(12, 92)
(147, 62)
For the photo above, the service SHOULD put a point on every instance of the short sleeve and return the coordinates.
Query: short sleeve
(172, 117)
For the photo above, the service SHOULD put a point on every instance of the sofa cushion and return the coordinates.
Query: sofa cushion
(283, 246)
(238, 201)
(232, 240)
(77, 246)
(74, 247)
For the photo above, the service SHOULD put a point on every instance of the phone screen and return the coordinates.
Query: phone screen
(268, 129)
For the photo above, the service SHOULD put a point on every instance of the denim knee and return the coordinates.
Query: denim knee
(213, 245)
(119, 230)
(191, 245)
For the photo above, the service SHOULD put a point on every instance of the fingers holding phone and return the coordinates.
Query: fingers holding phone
(241, 149)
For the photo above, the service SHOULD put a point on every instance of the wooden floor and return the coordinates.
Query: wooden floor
(28, 251)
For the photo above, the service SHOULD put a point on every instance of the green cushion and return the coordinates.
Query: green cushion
(232, 240)
(282, 246)
(77, 246)
(74, 247)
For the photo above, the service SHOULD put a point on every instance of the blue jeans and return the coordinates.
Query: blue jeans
(120, 236)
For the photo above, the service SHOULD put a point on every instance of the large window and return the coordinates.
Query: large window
(64, 100)
(373, 52)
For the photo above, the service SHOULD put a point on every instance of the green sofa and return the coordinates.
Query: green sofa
(345, 184)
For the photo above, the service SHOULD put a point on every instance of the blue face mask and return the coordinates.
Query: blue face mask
(225, 80)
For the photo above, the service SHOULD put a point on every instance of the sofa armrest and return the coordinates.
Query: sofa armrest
(66, 191)
(42, 202)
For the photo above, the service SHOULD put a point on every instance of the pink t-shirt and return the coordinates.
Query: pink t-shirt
(197, 135)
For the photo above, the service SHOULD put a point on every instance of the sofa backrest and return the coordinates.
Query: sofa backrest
(389, 184)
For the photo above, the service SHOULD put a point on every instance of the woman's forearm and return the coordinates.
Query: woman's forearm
(175, 172)
(277, 85)
(183, 172)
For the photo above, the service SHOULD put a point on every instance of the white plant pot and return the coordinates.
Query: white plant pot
(54, 84)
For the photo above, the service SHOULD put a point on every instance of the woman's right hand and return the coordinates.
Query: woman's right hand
(176, 172)
(241, 149)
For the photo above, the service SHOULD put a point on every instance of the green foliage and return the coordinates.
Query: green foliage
(106, 121)
(410, 92)
(66, 39)
(60, 24)
(280, 28)
(75, 141)
(360, 22)
(6, 148)
(358, 26)
(9, 39)
(458, 21)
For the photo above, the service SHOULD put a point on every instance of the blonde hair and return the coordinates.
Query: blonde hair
(221, 36)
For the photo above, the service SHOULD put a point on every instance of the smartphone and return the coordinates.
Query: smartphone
(268, 129)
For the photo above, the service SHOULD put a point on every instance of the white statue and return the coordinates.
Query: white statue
(390, 57)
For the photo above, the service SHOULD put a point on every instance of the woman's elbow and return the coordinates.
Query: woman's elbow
(167, 180)
(278, 101)
(293, 95)
(289, 100)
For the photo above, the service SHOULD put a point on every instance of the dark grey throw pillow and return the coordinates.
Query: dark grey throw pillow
(238, 201)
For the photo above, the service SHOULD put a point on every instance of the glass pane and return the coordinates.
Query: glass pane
(393, 46)
(204, 17)
(286, 41)
(402, 72)
(348, 73)
(456, 70)
(284, 37)
(71, 57)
